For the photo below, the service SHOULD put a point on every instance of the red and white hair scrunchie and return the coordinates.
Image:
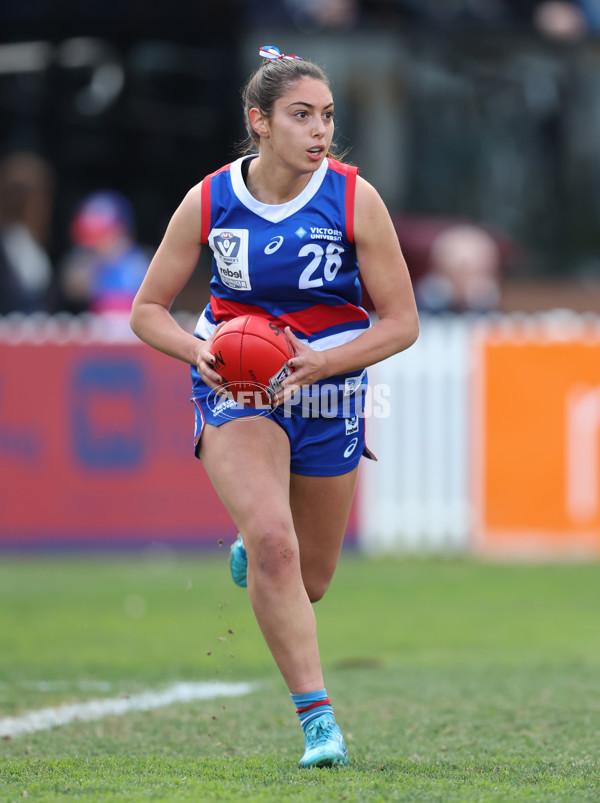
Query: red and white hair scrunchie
(273, 53)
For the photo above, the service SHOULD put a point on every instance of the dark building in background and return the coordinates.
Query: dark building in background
(497, 117)
(137, 97)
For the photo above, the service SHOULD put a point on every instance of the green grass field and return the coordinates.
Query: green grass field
(452, 681)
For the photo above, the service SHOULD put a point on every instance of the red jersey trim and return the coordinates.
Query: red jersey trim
(206, 206)
(350, 171)
(307, 321)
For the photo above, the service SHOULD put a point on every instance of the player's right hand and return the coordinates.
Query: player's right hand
(205, 361)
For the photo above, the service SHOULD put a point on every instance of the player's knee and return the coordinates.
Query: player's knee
(275, 553)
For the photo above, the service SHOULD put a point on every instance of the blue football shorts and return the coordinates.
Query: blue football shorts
(320, 446)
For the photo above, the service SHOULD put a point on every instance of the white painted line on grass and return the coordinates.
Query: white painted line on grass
(46, 718)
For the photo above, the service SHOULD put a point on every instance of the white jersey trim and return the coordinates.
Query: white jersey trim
(275, 213)
(339, 339)
(204, 329)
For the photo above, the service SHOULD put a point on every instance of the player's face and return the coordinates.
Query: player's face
(301, 128)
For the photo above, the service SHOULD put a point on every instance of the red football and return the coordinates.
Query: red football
(251, 355)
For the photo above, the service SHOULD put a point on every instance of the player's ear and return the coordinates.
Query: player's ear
(259, 122)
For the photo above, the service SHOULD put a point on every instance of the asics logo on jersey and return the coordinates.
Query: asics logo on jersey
(275, 243)
(351, 447)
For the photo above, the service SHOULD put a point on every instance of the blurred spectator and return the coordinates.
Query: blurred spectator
(458, 13)
(455, 265)
(464, 272)
(26, 199)
(316, 15)
(307, 16)
(106, 266)
(562, 20)
(567, 20)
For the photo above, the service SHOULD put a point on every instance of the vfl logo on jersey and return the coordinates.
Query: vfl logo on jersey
(351, 447)
(274, 245)
(352, 425)
(228, 244)
(230, 250)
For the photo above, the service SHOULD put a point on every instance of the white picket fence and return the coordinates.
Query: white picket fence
(417, 496)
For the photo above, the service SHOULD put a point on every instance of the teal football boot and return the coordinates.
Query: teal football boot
(324, 744)
(238, 562)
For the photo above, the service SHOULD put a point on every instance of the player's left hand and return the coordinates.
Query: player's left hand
(307, 366)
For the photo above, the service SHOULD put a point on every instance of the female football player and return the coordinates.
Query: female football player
(290, 227)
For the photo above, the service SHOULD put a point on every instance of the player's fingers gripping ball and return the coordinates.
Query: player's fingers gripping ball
(251, 355)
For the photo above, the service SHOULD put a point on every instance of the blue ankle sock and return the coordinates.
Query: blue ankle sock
(311, 705)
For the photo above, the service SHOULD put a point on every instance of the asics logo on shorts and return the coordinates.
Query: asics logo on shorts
(351, 447)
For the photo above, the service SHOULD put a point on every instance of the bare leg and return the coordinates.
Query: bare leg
(248, 464)
(320, 508)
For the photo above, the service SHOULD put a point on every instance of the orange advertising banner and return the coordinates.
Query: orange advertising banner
(537, 445)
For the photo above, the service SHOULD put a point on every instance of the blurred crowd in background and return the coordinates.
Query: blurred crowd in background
(478, 121)
(565, 19)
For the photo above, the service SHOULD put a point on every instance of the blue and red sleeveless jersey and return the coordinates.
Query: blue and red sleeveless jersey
(294, 263)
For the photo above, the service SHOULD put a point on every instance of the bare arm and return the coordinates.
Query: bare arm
(169, 272)
(386, 278)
